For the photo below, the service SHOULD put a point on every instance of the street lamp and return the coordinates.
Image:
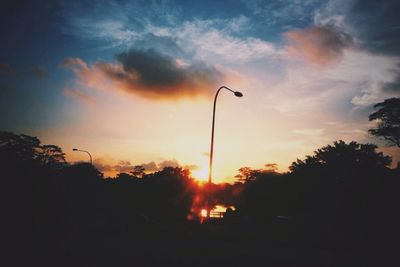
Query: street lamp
(238, 94)
(90, 156)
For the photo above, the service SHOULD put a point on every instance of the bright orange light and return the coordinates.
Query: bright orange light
(203, 213)
(200, 174)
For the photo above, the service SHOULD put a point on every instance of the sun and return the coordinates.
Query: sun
(203, 213)
(200, 174)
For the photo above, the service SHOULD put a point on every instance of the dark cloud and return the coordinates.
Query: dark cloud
(163, 44)
(319, 45)
(155, 75)
(393, 86)
(152, 68)
(377, 24)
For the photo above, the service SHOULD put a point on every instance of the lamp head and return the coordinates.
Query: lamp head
(238, 94)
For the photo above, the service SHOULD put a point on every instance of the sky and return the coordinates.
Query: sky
(133, 82)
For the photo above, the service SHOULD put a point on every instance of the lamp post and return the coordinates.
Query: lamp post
(90, 156)
(238, 94)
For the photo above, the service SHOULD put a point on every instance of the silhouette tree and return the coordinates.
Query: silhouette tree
(138, 171)
(388, 117)
(247, 174)
(85, 170)
(342, 157)
(51, 155)
(342, 192)
(343, 196)
(169, 193)
(25, 149)
(124, 176)
(18, 148)
(272, 167)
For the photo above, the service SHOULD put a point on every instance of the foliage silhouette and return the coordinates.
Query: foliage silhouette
(388, 117)
(24, 149)
(343, 157)
(138, 171)
(342, 200)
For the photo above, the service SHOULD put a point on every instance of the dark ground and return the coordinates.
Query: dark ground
(214, 243)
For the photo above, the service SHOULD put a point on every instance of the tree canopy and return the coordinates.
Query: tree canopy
(23, 148)
(342, 156)
(388, 117)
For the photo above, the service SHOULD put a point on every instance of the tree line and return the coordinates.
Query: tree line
(343, 196)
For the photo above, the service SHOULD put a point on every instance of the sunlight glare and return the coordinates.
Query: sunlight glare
(203, 213)
(200, 174)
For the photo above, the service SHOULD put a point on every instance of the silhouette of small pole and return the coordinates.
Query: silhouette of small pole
(238, 94)
(90, 156)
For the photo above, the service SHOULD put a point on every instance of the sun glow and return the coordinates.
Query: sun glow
(200, 174)
(203, 213)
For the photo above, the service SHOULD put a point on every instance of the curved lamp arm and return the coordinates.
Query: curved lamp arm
(90, 156)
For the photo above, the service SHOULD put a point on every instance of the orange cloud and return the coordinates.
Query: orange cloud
(112, 168)
(148, 74)
(318, 45)
(78, 95)
(91, 77)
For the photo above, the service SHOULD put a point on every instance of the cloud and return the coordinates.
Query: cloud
(161, 42)
(318, 45)
(79, 96)
(121, 166)
(160, 25)
(394, 85)
(206, 41)
(167, 163)
(78, 66)
(106, 29)
(377, 92)
(374, 24)
(149, 74)
(284, 12)
(150, 166)
(116, 23)
(378, 25)
(91, 77)
(102, 165)
(344, 90)
(375, 30)
(153, 166)
(126, 166)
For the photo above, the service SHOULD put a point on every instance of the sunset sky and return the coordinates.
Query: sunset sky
(133, 81)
